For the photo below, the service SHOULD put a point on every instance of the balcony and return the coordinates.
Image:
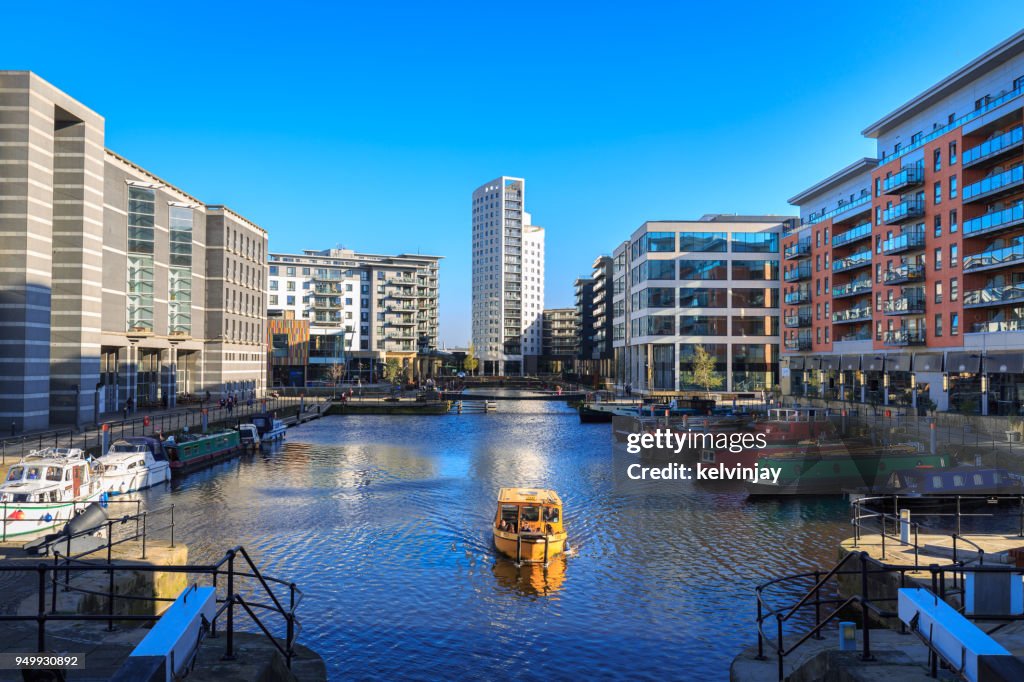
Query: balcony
(912, 240)
(859, 286)
(903, 211)
(994, 148)
(852, 315)
(996, 258)
(910, 303)
(911, 176)
(797, 297)
(857, 260)
(993, 326)
(799, 343)
(797, 251)
(797, 321)
(904, 337)
(904, 273)
(862, 335)
(852, 235)
(995, 221)
(994, 185)
(801, 272)
(993, 296)
(858, 205)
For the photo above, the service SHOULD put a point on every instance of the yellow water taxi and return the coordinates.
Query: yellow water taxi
(528, 525)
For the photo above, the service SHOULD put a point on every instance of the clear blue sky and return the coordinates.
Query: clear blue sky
(369, 124)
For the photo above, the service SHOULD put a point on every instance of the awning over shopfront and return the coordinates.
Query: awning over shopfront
(813, 362)
(850, 363)
(1004, 363)
(830, 363)
(795, 361)
(871, 363)
(897, 362)
(963, 362)
(927, 362)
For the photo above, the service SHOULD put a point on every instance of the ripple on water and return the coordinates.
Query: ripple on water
(384, 524)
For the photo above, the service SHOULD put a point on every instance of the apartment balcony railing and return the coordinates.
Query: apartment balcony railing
(905, 210)
(904, 337)
(904, 273)
(852, 315)
(801, 272)
(797, 251)
(905, 305)
(859, 286)
(797, 321)
(852, 235)
(995, 221)
(912, 240)
(992, 296)
(994, 148)
(995, 258)
(858, 205)
(911, 176)
(862, 335)
(857, 260)
(999, 326)
(799, 343)
(994, 185)
(798, 296)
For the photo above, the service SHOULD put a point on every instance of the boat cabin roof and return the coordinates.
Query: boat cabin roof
(535, 495)
(796, 414)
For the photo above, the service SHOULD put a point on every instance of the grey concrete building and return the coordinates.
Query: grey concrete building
(560, 340)
(103, 282)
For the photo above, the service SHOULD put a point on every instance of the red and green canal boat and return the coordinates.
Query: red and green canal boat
(188, 451)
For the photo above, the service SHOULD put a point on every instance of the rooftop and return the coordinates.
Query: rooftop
(856, 168)
(1000, 54)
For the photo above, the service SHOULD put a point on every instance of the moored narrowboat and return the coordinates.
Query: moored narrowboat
(189, 451)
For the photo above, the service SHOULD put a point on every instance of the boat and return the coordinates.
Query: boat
(795, 424)
(46, 488)
(528, 525)
(594, 415)
(133, 464)
(924, 489)
(269, 428)
(861, 467)
(248, 435)
(188, 451)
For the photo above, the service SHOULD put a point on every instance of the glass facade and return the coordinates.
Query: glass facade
(761, 325)
(141, 219)
(755, 242)
(753, 366)
(703, 325)
(179, 277)
(708, 242)
(767, 270)
(755, 298)
(719, 351)
(703, 298)
(658, 242)
(703, 269)
(660, 269)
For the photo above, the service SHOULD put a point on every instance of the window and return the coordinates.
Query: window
(952, 152)
(273, 285)
(703, 298)
(952, 221)
(702, 325)
(290, 271)
(660, 269)
(273, 270)
(291, 300)
(954, 289)
(709, 242)
(754, 298)
(938, 225)
(657, 297)
(952, 187)
(938, 324)
(938, 259)
(954, 255)
(916, 137)
(273, 299)
(659, 242)
(938, 292)
(878, 187)
(141, 218)
(702, 269)
(937, 190)
(954, 324)
(755, 242)
(937, 160)
(761, 325)
(755, 269)
(658, 325)
(290, 285)
(878, 215)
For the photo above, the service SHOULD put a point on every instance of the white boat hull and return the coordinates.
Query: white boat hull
(274, 434)
(33, 515)
(119, 484)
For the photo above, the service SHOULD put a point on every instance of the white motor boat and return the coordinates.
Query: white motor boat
(45, 489)
(132, 464)
(270, 429)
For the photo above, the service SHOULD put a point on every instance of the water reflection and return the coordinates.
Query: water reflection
(531, 580)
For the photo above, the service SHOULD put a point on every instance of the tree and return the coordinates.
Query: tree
(703, 371)
(470, 363)
(393, 371)
(335, 373)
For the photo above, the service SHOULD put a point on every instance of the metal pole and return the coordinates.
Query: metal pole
(779, 649)
(817, 605)
(760, 637)
(865, 616)
(41, 616)
(229, 652)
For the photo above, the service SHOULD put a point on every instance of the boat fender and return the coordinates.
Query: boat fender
(48, 517)
(103, 499)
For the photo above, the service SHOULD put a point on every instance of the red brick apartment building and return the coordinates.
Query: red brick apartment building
(904, 277)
